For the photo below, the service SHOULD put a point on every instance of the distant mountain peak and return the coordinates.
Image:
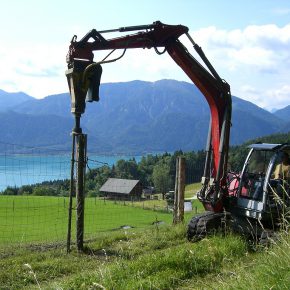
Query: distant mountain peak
(10, 100)
(283, 113)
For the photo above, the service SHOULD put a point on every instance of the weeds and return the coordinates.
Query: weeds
(166, 261)
(32, 273)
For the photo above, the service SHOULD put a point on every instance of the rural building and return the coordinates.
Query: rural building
(148, 192)
(125, 189)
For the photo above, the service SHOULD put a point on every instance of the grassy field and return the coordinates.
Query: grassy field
(25, 219)
(35, 219)
(146, 256)
(156, 258)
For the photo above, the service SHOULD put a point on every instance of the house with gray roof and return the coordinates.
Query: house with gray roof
(124, 189)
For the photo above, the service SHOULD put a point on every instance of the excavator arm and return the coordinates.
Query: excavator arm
(82, 68)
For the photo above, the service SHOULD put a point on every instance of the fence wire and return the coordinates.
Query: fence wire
(26, 215)
(34, 186)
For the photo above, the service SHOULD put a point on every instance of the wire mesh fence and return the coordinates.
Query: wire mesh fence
(34, 187)
(31, 214)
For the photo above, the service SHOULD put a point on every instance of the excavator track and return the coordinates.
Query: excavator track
(206, 223)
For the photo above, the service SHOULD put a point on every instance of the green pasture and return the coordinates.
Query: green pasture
(27, 219)
(44, 219)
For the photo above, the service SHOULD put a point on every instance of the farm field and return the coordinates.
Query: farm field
(25, 219)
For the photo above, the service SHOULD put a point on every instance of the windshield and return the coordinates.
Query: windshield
(259, 162)
(254, 174)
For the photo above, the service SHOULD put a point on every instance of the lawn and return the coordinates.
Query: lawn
(44, 219)
(25, 219)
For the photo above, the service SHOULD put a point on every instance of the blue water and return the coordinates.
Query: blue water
(18, 170)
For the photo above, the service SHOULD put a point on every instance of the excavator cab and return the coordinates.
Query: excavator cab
(258, 197)
(261, 191)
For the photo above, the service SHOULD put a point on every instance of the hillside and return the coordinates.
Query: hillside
(138, 116)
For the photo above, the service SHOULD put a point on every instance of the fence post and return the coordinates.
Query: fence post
(178, 209)
(175, 201)
(71, 192)
(80, 187)
(181, 188)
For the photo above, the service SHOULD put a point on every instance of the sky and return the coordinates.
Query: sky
(247, 41)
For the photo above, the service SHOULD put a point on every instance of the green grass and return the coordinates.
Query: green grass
(192, 189)
(156, 258)
(25, 219)
(44, 219)
(144, 257)
(266, 269)
(151, 204)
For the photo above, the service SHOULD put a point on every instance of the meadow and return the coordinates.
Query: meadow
(26, 219)
(151, 254)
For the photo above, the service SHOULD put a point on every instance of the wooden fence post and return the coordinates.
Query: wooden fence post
(80, 187)
(175, 201)
(178, 209)
(71, 193)
(181, 188)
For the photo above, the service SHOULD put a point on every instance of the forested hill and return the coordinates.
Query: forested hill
(152, 170)
(133, 117)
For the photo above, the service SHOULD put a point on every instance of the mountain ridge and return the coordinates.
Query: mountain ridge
(141, 116)
(9, 100)
(283, 113)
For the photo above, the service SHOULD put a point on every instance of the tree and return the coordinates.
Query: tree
(126, 169)
(161, 178)
(10, 190)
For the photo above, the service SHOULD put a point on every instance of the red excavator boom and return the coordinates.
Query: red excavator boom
(216, 91)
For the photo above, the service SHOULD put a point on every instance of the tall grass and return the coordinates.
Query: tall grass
(156, 258)
(267, 269)
(161, 261)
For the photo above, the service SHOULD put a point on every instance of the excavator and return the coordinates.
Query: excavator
(250, 201)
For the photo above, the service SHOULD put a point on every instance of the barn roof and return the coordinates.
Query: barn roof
(117, 185)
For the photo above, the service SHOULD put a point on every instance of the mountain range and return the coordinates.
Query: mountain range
(131, 117)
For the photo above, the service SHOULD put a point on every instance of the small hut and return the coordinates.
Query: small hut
(122, 189)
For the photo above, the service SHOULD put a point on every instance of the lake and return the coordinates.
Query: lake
(21, 169)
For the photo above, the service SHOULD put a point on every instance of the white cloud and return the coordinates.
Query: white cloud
(280, 95)
(36, 70)
(257, 57)
(255, 61)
